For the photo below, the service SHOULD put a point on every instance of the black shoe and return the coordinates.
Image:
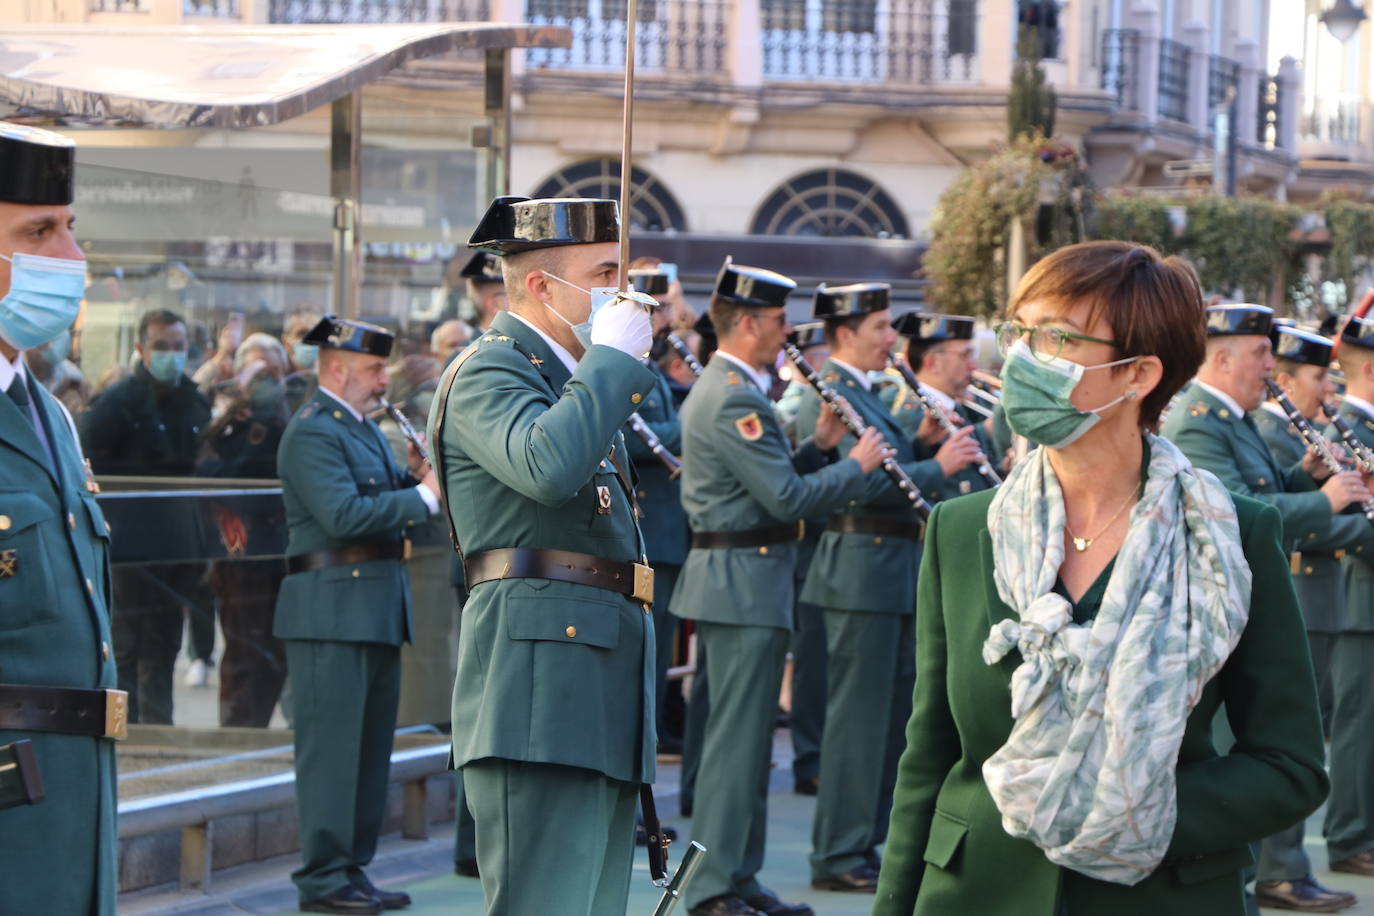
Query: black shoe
(467, 868)
(1303, 894)
(1360, 864)
(391, 900)
(808, 786)
(862, 880)
(348, 900)
(642, 835)
(724, 905)
(770, 905)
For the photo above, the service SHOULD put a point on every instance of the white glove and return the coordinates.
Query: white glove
(625, 326)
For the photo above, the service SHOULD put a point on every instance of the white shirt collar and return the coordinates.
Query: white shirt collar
(1362, 404)
(861, 376)
(558, 349)
(1223, 397)
(760, 376)
(942, 400)
(1274, 408)
(347, 406)
(9, 369)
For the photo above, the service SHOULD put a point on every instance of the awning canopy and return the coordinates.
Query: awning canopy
(220, 76)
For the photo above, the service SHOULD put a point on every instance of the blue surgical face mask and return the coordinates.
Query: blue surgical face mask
(43, 301)
(305, 355)
(1035, 396)
(57, 349)
(167, 365)
(600, 297)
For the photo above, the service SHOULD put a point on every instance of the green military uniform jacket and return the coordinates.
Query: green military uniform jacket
(1316, 573)
(909, 412)
(663, 522)
(865, 572)
(342, 487)
(59, 855)
(1357, 612)
(548, 672)
(739, 473)
(947, 852)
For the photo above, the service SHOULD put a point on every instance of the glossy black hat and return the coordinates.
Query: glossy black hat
(36, 166)
(752, 286)
(807, 334)
(925, 327)
(334, 333)
(515, 224)
(483, 268)
(1359, 332)
(650, 280)
(1233, 320)
(705, 326)
(850, 301)
(1301, 346)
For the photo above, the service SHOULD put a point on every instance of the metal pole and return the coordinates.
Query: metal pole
(345, 185)
(496, 86)
(627, 143)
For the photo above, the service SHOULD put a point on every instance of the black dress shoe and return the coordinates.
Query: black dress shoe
(770, 905)
(347, 900)
(862, 880)
(391, 900)
(1303, 894)
(467, 868)
(809, 786)
(1361, 864)
(642, 835)
(724, 905)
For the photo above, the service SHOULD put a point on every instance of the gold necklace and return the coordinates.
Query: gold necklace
(1082, 544)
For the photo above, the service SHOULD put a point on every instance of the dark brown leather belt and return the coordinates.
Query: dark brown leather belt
(99, 713)
(346, 556)
(634, 580)
(876, 525)
(754, 537)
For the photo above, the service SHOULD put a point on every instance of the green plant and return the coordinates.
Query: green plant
(1132, 218)
(1351, 225)
(1240, 245)
(1031, 102)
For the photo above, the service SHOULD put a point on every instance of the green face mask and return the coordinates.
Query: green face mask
(1035, 396)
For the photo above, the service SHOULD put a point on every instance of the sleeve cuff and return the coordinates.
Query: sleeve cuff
(431, 501)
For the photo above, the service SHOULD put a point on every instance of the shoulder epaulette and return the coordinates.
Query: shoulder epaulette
(1198, 409)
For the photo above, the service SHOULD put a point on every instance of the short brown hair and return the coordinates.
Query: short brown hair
(1153, 305)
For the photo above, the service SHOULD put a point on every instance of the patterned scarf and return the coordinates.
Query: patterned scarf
(1087, 773)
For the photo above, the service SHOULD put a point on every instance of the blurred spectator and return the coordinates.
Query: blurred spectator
(150, 424)
(302, 356)
(486, 291)
(448, 340)
(51, 365)
(413, 382)
(219, 365)
(249, 417)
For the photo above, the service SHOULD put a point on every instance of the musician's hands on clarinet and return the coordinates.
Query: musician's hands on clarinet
(871, 450)
(1343, 489)
(960, 450)
(419, 468)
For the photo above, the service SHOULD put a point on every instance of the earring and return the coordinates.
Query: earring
(1130, 394)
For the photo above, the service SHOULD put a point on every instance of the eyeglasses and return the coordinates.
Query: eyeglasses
(1046, 341)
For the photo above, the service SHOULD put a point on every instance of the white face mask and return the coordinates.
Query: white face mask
(600, 296)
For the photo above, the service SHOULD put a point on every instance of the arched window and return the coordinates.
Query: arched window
(652, 206)
(830, 202)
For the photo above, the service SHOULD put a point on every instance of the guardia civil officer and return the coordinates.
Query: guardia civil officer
(1301, 360)
(57, 672)
(486, 290)
(553, 712)
(343, 611)
(745, 491)
(864, 576)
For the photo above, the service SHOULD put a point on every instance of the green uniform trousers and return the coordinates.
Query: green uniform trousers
(808, 691)
(872, 673)
(732, 813)
(665, 629)
(527, 809)
(1350, 809)
(465, 831)
(344, 697)
(694, 730)
(1321, 644)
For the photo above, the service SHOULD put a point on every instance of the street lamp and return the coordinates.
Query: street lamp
(1343, 19)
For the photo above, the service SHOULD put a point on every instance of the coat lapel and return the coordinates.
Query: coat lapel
(997, 609)
(532, 345)
(18, 434)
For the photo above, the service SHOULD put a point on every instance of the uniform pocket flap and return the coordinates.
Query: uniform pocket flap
(560, 620)
(1197, 869)
(99, 527)
(19, 511)
(946, 835)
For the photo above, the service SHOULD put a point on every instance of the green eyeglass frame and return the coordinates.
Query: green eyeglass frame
(1046, 341)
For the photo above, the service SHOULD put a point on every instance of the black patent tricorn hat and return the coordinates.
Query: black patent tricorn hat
(850, 301)
(924, 327)
(333, 333)
(807, 334)
(36, 166)
(482, 268)
(515, 224)
(650, 280)
(1235, 320)
(1359, 332)
(1301, 346)
(753, 287)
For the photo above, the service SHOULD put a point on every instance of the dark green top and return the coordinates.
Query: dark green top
(1085, 608)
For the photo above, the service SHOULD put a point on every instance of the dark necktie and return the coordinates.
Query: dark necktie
(19, 394)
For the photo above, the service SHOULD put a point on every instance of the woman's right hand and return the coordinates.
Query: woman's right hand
(870, 450)
(1343, 489)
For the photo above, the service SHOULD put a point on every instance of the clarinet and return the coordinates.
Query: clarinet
(685, 352)
(642, 430)
(1314, 440)
(1364, 457)
(941, 417)
(856, 425)
(407, 430)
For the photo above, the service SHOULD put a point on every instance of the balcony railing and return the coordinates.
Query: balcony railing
(1120, 66)
(673, 36)
(119, 6)
(1333, 120)
(899, 41)
(322, 11)
(1223, 75)
(1174, 59)
(1271, 102)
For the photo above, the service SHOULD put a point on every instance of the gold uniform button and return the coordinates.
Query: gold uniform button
(571, 631)
(105, 651)
(71, 521)
(5, 523)
(357, 573)
(1223, 413)
(763, 551)
(1307, 569)
(636, 398)
(1263, 482)
(877, 540)
(90, 587)
(338, 414)
(643, 495)
(372, 480)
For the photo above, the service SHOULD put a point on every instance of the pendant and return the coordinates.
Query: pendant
(1081, 544)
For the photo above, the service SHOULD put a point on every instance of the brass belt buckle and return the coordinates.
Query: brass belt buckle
(644, 585)
(116, 714)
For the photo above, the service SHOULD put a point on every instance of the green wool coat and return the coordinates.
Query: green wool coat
(663, 522)
(59, 855)
(548, 672)
(341, 486)
(947, 852)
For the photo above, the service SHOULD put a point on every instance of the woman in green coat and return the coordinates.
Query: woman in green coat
(1079, 628)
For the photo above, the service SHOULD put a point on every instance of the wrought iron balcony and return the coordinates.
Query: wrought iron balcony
(346, 11)
(1333, 120)
(1223, 75)
(1120, 66)
(671, 36)
(119, 6)
(1174, 60)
